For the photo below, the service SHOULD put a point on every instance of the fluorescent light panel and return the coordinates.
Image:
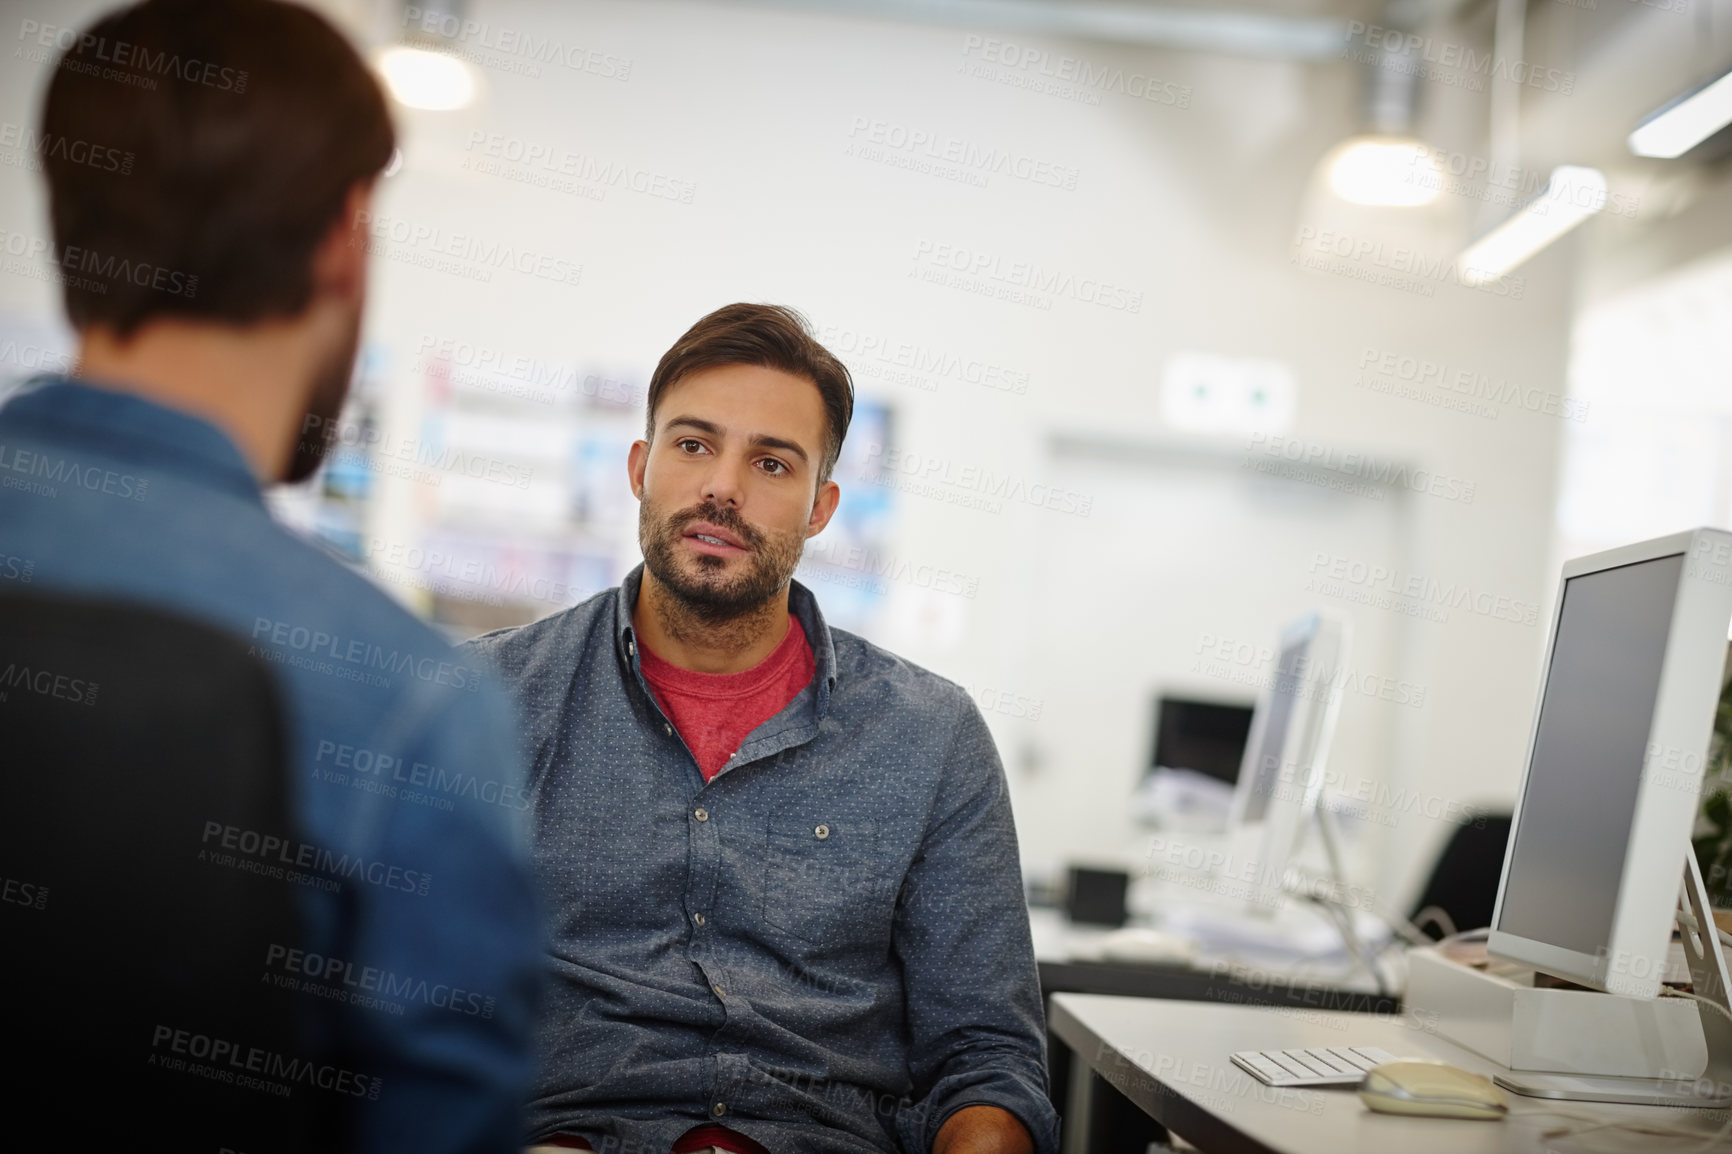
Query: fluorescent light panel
(1203, 28)
(1572, 195)
(1672, 132)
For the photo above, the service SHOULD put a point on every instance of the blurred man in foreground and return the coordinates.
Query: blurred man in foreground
(217, 296)
(784, 875)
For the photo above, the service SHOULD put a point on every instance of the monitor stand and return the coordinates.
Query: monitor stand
(1712, 1089)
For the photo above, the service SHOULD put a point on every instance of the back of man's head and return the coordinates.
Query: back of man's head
(196, 153)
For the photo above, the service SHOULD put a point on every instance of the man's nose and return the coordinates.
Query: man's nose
(725, 482)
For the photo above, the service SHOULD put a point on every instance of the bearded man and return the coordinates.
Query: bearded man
(787, 903)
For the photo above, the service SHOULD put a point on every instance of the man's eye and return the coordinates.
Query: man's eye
(690, 445)
(774, 467)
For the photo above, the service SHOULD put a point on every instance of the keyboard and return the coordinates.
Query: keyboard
(1318, 1066)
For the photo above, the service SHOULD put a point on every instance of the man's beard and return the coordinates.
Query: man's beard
(318, 431)
(701, 584)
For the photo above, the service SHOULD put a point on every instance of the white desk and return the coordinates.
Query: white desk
(1172, 1060)
(1070, 959)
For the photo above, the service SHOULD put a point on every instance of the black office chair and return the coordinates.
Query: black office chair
(128, 949)
(1463, 884)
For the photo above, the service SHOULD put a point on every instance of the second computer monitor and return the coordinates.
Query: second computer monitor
(1281, 776)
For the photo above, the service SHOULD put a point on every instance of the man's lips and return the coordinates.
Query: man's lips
(710, 538)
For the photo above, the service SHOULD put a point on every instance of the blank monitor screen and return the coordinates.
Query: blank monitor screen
(1205, 736)
(1576, 812)
(1288, 685)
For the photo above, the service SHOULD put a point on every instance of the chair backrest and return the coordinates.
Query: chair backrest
(1464, 882)
(137, 750)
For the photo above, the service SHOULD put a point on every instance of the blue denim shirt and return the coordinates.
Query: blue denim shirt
(826, 947)
(422, 957)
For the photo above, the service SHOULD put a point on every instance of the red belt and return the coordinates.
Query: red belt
(700, 1138)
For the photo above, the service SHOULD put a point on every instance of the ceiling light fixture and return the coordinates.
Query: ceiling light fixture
(421, 78)
(1385, 165)
(1685, 123)
(1573, 195)
(1384, 172)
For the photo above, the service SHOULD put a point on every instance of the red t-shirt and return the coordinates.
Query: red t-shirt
(715, 712)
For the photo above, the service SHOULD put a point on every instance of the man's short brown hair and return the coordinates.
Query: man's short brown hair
(243, 125)
(769, 337)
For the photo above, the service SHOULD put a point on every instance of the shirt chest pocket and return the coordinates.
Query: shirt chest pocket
(825, 881)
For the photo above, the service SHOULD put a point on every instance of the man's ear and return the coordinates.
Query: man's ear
(636, 462)
(823, 507)
(340, 261)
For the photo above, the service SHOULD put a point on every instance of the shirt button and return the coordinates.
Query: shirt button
(719, 1109)
(667, 729)
(631, 646)
(822, 831)
(720, 993)
(701, 814)
(698, 918)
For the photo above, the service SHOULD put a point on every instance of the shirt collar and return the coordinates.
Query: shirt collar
(153, 436)
(801, 604)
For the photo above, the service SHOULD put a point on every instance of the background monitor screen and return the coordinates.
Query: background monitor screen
(1205, 736)
(1573, 827)
(1270, 750)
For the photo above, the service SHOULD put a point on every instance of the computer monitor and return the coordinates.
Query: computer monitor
(1194, 764)
(1281, 775)
(1206, 737)
(1615, 758)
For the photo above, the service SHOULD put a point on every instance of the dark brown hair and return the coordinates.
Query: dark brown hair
(770, 337)
(244, 124)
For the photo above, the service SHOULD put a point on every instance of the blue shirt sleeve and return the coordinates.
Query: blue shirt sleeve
(456, 956)
(975, 1019)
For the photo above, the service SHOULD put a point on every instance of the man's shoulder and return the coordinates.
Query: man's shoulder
(318, 602)
(228, 563)
(357, 660)
(873, 677)
(192, 543)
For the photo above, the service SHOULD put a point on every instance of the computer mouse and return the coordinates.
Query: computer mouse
(1141, 944)
(1432, 1089)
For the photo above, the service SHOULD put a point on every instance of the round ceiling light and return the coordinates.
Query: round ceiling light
(419, 78)
(1385, 172)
